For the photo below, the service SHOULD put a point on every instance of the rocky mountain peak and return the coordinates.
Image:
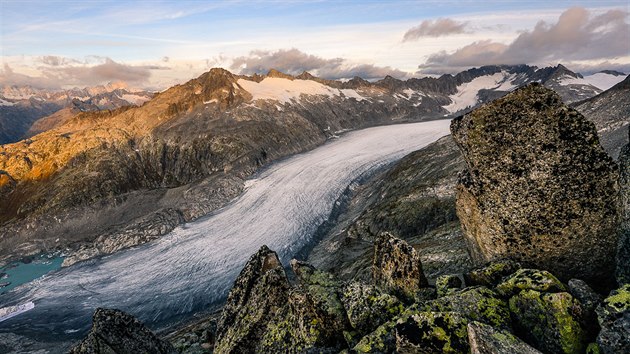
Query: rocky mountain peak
(560, 70)
(277, 74)
(305, 76)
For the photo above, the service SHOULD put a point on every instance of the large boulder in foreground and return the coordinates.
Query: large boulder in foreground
(114, 331)
(539, 188)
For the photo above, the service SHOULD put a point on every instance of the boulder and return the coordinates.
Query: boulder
(485, 339)
(614, 318)
(476, 303)
(530, 279)
(368, 307)
(538, 189)
(589, 300)
(491, 274)
(114, 331)
(549, 321)
(397, 268)
(300, 327)
(259, 294)
(432, 332)
(322, 291)
(445, 284)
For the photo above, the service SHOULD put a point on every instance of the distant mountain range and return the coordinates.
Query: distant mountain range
(96, 179)
(22, 106)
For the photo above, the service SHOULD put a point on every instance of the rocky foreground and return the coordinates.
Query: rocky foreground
(550, 200)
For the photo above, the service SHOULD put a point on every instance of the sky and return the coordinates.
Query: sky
(156, 44)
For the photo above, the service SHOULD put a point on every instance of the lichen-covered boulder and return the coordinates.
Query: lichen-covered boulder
(539, 188)
(368, 307)
(382, 340)
(259, 294)
(614, 318)
(114, 331)
(396, 267)
(530, 279)
(432, 332)
(485, 339)
(445, 284)
(549, 321)
(491, 274)
(299, 327)
(324, 290)
(476, 303)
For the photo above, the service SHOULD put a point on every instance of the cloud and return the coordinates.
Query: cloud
(435, 28)
(103, 73)
(57, 74)
(577, 36)
(294, 62)
(11, 78)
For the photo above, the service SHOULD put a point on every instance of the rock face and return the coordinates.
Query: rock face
(538, 188)
(623, 252)
(397, 267)
(114, 331)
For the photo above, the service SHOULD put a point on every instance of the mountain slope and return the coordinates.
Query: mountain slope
(610, 111)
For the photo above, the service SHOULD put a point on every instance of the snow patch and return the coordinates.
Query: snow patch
(135, 99)
(602, 81)
(6, 103)
(214, 100)
(467, 93)
(349, 93)
(286, 91)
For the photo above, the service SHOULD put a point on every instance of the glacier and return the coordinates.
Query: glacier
(192, 268)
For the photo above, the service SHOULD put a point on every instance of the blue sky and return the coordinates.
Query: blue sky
(176, 40)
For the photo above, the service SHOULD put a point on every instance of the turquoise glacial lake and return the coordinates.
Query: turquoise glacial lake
(18, 273)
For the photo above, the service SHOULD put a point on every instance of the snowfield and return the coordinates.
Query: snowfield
(602, 81)
(467, 93)
(286, 91)
(194, 267)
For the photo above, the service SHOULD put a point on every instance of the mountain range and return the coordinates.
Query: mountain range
(22, 107)
(98, 176)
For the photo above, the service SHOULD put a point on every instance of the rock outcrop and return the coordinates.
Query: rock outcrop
(257, 297)
(115, 332)
(397, 267)
(538, 188)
